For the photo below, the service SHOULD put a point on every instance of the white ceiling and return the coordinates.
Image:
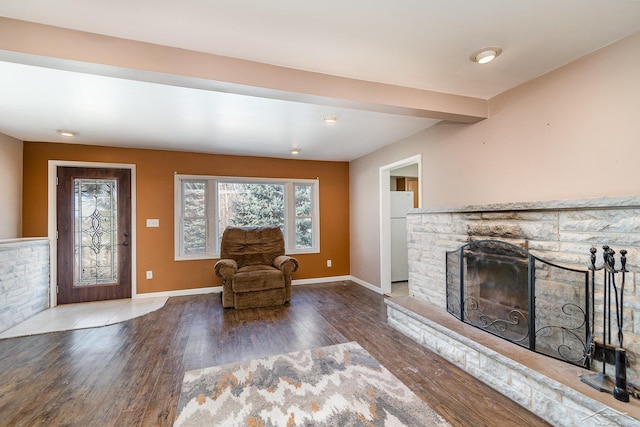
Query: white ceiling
(422, 44)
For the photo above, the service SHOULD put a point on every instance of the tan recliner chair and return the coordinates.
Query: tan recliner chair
(255, 271)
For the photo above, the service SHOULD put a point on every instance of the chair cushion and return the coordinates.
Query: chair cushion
(257, 278)
(252, 245)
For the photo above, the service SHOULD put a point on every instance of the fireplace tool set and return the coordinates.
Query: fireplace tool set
(610, 349)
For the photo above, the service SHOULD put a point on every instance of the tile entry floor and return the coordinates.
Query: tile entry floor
(84, 315)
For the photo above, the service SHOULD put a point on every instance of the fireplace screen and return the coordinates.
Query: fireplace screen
(505, 290)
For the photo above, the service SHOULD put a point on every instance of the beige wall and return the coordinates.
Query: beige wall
(572, 133)
(10, 187)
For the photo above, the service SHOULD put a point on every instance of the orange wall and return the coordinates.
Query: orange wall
(155, 171)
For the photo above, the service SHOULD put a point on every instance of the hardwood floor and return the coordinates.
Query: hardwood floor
(129, 374)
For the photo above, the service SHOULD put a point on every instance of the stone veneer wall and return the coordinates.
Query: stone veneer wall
(558, 231)
(24, 280)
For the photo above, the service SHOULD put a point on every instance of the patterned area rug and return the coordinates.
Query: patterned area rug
(339, 385)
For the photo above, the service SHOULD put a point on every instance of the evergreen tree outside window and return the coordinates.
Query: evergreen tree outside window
(244, 204)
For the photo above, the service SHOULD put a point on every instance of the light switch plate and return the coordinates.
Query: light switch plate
(153, 222)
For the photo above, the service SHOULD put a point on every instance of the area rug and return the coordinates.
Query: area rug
(339, 385)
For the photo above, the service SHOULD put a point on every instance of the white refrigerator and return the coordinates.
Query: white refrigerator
(401, 202)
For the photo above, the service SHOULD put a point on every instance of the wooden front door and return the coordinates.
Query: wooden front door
(94, 234)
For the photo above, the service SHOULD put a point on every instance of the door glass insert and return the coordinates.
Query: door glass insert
(95, 231)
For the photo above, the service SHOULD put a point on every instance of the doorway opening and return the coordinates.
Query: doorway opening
(400, 190)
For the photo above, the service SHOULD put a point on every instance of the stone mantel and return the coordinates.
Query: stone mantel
(570, 204)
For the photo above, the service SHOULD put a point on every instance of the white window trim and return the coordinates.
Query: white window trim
(213, 251)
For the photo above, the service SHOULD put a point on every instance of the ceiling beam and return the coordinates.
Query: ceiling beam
(54, 47)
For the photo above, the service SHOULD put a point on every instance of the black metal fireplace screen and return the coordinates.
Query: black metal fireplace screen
(507, 291)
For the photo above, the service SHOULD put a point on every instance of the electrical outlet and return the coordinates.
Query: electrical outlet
(153, 222)
(328, 263)
(149, 274)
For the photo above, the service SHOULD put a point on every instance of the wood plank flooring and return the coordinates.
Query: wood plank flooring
(129, 374)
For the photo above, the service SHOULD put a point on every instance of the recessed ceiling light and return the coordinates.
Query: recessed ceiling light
(485, 55)
(295, 151)
(330, 119)
(66, 133)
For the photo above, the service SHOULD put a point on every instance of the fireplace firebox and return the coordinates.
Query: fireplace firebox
(505, 290)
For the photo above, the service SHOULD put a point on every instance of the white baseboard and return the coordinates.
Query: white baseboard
(218, 289)
(319, 280)
(360, 282)
(367, 285)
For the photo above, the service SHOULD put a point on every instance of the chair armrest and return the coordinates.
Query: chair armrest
(286, 264)
(226, 268)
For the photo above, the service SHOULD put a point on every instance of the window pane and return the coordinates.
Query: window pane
(195, 236)
(304, 222)
(244, 204)
(304, 236)
(194, 211)
(303, 200)
(194, 199)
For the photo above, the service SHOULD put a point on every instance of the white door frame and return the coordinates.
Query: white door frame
(52, 219)
(385, 215)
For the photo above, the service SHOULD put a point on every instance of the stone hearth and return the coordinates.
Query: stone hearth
(558, 231)
(547, 387)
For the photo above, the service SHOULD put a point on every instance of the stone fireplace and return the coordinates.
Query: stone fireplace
(561, 232)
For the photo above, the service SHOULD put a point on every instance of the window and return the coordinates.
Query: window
(205, 206)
